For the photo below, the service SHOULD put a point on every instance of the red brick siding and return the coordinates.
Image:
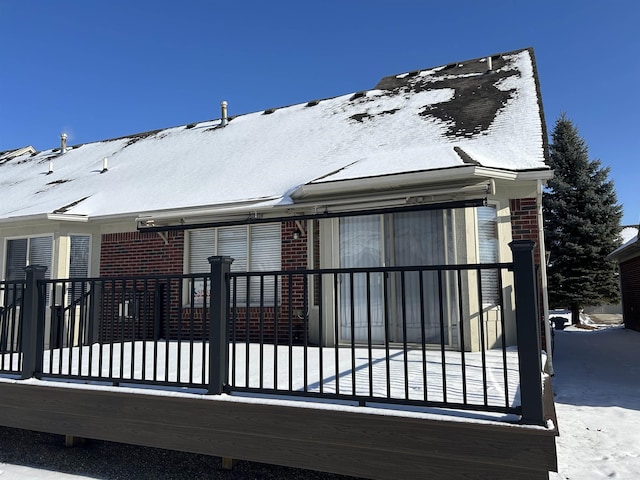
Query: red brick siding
(138, 253)
(524, 222)
(630, 287)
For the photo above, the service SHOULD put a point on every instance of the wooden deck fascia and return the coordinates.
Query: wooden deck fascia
(348, 442)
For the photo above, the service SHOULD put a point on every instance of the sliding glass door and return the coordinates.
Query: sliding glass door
(419, 305)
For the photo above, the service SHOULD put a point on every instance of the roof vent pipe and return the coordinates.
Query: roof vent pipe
(489, 64)
(63, 143)
(50, 167)
(105, 164)
(223, 120)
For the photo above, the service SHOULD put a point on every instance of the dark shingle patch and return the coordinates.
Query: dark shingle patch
(269, 111)
(474, 105)
(136, 137)
(52, 184)
(466, 158)
(476, 100)
(313, 103)
(357, 95)
(360, 117)
(67, 207)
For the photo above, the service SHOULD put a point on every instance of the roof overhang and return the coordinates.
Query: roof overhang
(450, 188)
(629, 250)
(445, 178)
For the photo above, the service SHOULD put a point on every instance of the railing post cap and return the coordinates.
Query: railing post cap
(522, 245)
(220, 259)
(35, 268)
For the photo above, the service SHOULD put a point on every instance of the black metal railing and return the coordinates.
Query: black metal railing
(11, 295)
(403, 335)
(136, 330)
(423, 336)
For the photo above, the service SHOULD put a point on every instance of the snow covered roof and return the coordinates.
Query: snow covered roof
(630, 244)
(483, 113)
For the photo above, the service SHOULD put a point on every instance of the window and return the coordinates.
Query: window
(488, 252)
(22, 252)
(78, 264)
(254, 248)
(79, 256)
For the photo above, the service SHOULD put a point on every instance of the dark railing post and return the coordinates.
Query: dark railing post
(528, 332)
(33, 322)
(218, 333)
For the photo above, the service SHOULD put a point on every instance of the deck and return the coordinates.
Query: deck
(117, 359)
(367, 442)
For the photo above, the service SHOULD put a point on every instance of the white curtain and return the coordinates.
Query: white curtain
(361, 246)
(409, 239)
(419, 239)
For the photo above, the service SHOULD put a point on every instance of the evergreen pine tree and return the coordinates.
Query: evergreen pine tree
(582, 225)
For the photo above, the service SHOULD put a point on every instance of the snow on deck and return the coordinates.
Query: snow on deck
(418, 375)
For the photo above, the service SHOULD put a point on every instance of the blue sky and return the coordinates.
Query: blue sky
(103, 69)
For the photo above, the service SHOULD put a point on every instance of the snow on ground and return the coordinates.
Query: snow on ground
(597, 394)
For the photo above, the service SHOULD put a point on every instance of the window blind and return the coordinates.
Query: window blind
(488, 251)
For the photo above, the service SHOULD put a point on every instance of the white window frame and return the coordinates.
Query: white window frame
(28, 259)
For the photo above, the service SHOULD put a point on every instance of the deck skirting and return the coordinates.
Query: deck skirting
(369, 445)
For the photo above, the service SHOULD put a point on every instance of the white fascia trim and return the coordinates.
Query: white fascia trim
(25, 218)
(367, 184)
(67, 218)
(542, 174)
(241, 208)
(411, 180)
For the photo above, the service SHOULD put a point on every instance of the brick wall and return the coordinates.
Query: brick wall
(140, 253)
(524, 222)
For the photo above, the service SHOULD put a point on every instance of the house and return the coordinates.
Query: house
(436, 166)
(372, 278)
(628, 258)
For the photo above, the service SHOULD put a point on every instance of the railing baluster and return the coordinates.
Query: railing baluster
(483, 346)
(463, 346)
(403, 319)
(443, 358)
(423, 336)
(369, 338)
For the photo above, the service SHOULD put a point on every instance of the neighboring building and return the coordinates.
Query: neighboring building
(436, 166)
(628, 258)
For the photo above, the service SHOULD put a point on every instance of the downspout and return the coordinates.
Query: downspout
(543, 279)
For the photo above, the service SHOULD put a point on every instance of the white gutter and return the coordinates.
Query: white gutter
(241, 208)
(67, 218)
(543, 278)
(421, 179)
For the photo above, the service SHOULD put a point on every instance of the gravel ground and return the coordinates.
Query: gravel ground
(115, 461)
